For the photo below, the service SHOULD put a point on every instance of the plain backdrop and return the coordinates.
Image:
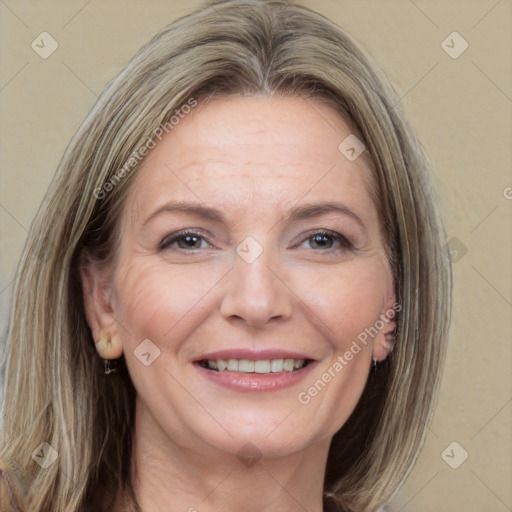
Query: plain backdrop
(461, 110)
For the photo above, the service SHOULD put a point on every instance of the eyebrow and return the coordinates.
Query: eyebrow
(296, 213)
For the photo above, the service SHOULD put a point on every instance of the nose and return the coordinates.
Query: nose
(256, 293)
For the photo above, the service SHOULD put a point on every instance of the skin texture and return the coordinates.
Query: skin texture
(253, 158)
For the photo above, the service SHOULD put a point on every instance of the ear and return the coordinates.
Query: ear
(99, 307)
(384, 341)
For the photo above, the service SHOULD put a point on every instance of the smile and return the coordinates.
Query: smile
(260, 366)
(251, 370)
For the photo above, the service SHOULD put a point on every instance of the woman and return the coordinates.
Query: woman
(243, 287)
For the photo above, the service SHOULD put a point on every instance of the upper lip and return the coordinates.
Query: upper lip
(252, 355)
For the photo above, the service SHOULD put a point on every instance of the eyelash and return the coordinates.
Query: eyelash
(338, 237)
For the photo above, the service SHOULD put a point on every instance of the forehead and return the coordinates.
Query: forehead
(253, 151)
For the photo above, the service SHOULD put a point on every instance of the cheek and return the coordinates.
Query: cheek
(162, 303)
(347, 300)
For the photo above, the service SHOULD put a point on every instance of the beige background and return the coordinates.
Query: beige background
(461, 109)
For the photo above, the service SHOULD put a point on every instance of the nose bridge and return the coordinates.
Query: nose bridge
(255, 292)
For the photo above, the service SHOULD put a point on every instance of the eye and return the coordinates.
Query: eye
(185, 240)
(326, 240)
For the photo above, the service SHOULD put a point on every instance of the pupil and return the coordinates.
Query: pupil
(321, 240)
(190, 240)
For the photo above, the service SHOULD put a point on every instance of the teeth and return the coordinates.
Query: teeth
(246, 366)
(260, 366)
(288, 365)
(276, 365)
(214, 365)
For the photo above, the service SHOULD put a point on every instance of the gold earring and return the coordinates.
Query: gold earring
(103, 345)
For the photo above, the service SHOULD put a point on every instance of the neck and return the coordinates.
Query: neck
(203, 479)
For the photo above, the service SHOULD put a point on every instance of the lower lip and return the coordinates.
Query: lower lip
(256, 381)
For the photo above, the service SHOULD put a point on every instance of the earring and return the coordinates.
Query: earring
(374, 362)
(103, 345)
(110, 366)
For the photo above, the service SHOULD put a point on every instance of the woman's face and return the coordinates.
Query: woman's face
(282, 259)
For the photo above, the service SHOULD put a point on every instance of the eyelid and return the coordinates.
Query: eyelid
(343, 241)
(172, 237)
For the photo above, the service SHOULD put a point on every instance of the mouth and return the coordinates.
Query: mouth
(252, 370)
(258, 366)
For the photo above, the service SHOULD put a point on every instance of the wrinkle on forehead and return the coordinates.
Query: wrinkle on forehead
(210, 148)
